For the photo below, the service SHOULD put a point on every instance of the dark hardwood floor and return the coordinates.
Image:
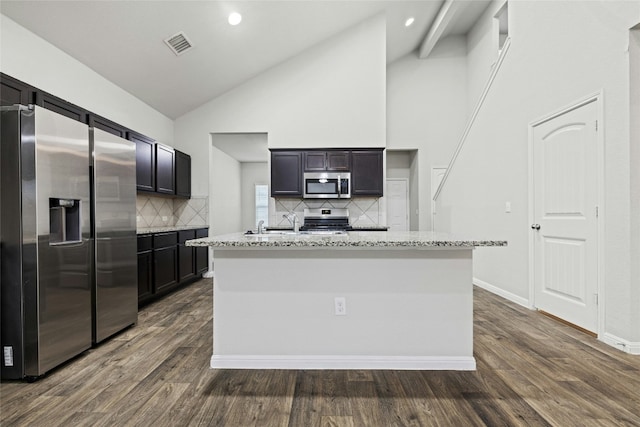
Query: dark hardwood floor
(532, 371)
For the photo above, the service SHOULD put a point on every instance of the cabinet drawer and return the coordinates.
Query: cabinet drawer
(184, 235)
(202, 232)
(145, 243)
(163, 240)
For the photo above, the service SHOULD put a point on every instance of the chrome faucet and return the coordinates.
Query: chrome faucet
(293, 219)
(260, 227)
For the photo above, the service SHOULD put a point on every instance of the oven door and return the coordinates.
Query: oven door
(321, 185)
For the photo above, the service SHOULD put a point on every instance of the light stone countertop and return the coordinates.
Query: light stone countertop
(359, 239)
(150, 230)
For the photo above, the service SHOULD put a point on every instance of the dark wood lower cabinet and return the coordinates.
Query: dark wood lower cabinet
(165, 271)
(186, 258)
(165, 262)
(202, 253)
(145, 275)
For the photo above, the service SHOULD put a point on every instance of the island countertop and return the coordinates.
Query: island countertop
(360, 239)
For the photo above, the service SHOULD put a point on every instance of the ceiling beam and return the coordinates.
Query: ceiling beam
(446, 14)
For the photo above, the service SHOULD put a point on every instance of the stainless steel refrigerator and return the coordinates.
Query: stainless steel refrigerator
(52, 301)
(115, 273)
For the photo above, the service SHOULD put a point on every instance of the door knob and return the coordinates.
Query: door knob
(535, 226)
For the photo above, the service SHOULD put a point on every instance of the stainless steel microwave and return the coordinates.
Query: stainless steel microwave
(327, 185)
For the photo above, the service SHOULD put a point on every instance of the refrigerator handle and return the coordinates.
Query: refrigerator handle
(92, 205)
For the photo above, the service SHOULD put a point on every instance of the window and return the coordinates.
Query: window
(262, 203)
(502, 25)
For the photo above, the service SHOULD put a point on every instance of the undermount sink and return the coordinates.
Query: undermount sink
(274, 233)
(324, 232)
(271, 233)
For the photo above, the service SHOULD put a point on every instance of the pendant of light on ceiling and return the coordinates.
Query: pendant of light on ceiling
(234, 18)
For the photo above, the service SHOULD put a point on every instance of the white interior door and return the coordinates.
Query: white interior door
(565, 228)
(398, 204)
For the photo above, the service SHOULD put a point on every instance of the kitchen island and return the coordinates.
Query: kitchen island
(359, 300)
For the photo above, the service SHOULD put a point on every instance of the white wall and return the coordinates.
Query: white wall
(332, 95)
(35, 61)
(561, 52)
(252, 173)
(426, 111)
(634, 84)
(482, 48)
(226, 189)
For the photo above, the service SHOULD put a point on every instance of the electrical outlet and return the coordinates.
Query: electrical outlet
(340, 306)
(165, 219)
(507, 207)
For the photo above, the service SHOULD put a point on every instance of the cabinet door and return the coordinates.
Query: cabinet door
(145, 275)
(107, 126)
(14, 91)
(165, 170)
(186, 256)
(366, 173)
(145, 162)
(60, 106)
(315, 161)
(183, 174)
(338, 160)
(165, 271)
(286, 174)
(202, 253)
(186, 263)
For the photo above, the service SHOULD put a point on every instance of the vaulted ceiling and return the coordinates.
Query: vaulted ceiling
(124, 40)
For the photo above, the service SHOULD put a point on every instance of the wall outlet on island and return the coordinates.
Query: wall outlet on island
(340, 306)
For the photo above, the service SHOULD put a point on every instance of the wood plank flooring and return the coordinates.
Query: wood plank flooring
(532, 371)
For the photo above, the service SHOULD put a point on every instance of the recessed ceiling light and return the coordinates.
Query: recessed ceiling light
(234, 18)
(409, 21)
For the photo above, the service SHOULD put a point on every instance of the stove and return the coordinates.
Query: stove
(326, 219)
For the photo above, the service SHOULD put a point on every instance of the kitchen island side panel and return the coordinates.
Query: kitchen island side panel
(275, 308)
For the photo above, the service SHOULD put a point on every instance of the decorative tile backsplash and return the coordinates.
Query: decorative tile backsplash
(153, 211)
(363, 211)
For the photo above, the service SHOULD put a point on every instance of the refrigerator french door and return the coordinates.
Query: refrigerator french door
(45, 240)
(115, 290)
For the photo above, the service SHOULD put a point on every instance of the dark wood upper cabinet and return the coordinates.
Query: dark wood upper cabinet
(183, 174)
(60, 106)
(367, 173)
(286, 173)
(107, 125)
(159, 168)
(315, 161)
(13, 91)
(333, 160)
(145, 161)
(338, 160)
(165, 169)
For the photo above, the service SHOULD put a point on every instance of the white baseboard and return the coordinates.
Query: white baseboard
(622, 344)
(427, 363)
(501, 292)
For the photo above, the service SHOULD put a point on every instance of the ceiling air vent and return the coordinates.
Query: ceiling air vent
(178, 43)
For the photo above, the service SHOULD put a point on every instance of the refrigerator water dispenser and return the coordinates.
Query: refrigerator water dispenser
(64, 221)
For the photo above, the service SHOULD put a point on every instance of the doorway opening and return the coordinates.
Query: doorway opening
(402, 172)
(238, 164)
